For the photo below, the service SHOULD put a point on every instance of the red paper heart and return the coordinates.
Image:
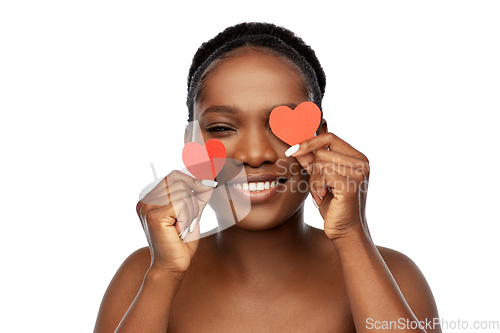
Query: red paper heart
(204, 162)
(295, 126)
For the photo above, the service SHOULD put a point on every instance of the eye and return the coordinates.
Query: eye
(218, 128)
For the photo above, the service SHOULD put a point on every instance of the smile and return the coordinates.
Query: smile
(254, 186)
(257, 191)
(257, 186)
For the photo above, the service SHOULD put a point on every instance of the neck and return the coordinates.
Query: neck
(268, 252)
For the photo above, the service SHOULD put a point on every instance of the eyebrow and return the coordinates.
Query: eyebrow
(232, 110)
(220, 109)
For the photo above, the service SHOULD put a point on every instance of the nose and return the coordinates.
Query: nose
(255, 148)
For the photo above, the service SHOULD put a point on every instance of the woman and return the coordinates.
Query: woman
(269, 272)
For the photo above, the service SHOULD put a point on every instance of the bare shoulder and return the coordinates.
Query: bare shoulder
(395, 259)
(133, 269)
(138, 262)
(412, 284)
(405, 271)
(122, 290)
(401, 266)
(131, 273)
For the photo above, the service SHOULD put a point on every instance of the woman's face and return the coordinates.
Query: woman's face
(238, 96)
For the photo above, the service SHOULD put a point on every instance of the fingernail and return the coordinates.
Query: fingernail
(314, 202)
(193, 224)
(292, 150)
(209, 182)
(183, 233)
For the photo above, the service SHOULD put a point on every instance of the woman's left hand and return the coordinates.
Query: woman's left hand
(338, 182)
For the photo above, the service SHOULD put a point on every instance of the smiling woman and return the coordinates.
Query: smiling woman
(269, 272)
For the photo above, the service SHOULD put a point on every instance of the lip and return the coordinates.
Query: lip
(256, 197)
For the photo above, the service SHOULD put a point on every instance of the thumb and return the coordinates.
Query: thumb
(203, 189)
(204, 185)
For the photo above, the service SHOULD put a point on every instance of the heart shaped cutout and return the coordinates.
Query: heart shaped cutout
(295, 126)
(204, 162)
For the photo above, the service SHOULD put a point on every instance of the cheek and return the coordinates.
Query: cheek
(300, 185)
(298, 181)
(297, 171)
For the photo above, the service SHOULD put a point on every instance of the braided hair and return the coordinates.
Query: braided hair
(278, 40)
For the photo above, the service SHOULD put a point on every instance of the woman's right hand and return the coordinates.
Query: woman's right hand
(171, 211)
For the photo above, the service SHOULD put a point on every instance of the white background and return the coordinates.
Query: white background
(92, 92)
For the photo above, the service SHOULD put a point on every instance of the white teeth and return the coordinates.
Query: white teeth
(255, 186)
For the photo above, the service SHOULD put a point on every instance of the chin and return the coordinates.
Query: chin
(258, 224)
(262, 218)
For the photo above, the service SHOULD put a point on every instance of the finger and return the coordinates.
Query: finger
(197, 185)
(192, 207)
(329, 180)
(165, 198)
(335, 157)
(193, 231)
(196, 206)
(346, 165)
(192, 212)
(165, 191)
(314, 162)
(326, 141)
(163, 216)
(178, 191)
(176, 179)
(318, 184)
(183, 212)
(318, 188)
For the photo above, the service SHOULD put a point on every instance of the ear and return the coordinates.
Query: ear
(323, 127)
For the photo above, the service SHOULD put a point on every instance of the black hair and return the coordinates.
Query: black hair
(265, 35)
